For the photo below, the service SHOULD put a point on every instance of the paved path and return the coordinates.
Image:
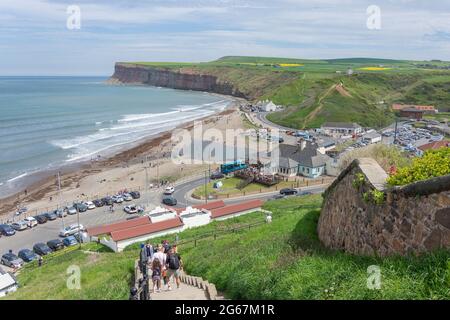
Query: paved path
(186, 292)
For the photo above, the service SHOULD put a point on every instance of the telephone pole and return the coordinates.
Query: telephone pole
(60, 199)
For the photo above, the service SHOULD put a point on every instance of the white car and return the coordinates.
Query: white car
(71, 230)
(32, 222)
(90, 205)
(127, 197)
(117, 199)
(169, 190)
(131, 209)
(20, 225)
(71, 210)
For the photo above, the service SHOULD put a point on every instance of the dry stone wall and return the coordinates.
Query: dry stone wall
(410, 220)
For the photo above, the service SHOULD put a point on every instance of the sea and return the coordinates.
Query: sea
(48, 123)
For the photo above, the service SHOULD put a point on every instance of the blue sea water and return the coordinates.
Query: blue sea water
(47, 122)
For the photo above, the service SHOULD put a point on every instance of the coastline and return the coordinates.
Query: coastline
(43, 183)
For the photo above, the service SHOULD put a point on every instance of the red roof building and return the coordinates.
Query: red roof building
(146, 229)
(425, 109)
(434, 145)
(108, 228)
(234, 209)
(207, 206)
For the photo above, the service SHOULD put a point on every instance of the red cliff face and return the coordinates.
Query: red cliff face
(183, 79)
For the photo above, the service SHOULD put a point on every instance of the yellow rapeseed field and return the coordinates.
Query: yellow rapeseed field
(285, 65)
(374, 69)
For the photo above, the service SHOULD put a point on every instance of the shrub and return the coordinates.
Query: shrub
(434, 163)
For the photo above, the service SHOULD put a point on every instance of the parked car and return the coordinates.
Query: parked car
(169, 190)
(71, 230)
(20, 225)
(70, 241)
(71, 210)
(127, 197)
(55, 244)
(27, 255)
(135, 194)
(32, 222)
(50, 216)
(98, 203)
(170, 201)
(217, 175)
(81, 207)
(117, 199)
(107, 201)
(41, 249)
(60, 213)
(90, 205)
(133, 209)
(6, 230)
(41, 219)
(11, 260)
(288, 191)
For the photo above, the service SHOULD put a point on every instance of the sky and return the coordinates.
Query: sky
(35, 38)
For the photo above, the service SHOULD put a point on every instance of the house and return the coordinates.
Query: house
(269, 107)
(119, 235)
(426, 109)
(337, 129)
(372, 137)
(412, 113)
(304, 159)
(432, 146)
(325, 145)
(8, 283)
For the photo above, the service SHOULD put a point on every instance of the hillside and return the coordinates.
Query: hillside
(303, 86)
(281, 260)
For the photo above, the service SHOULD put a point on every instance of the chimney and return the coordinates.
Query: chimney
(302, 144)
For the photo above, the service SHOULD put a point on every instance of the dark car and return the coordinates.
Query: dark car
(7, 230)
(50, 216)
(170, 201)
(217, 175)
(135, 194)
(27, 255)
(107, 201)
(81, 207)
(70, 241)
(11, 260)
(98, 203)
(41, 249)
(288, 191)
(60, 213)
(55, 244)
(78, 238)
(41, 219)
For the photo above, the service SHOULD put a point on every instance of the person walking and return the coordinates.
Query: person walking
(156, 275)
(174, 266)
(150, 252)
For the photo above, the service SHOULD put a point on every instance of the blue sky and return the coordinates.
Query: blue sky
(34, 39)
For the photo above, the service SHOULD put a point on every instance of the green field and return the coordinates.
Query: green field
(281, 260)
(307, 90)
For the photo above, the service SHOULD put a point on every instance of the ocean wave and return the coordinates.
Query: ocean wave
(18, 177)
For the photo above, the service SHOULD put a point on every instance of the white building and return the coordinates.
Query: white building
(193, 217)
(269, 107)
(161, 214)
(372, 137)
(339, 129)
(8, 283)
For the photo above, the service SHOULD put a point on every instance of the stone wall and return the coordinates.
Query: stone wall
(411, 219)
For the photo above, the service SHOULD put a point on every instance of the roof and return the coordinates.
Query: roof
(325, 142)
(412, 109)
(434, 145)
(146, 229)
(291, 156)
(207, 206)
(397, 106)
(236, 208)
(347, 125)
(108, 228)
(372, 135)
(6, 280)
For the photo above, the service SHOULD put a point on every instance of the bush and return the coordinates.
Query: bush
(434, 163)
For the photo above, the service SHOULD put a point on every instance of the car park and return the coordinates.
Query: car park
(41, 249)
(71, 230)
(32, 222)
(55, 244)
(41, 219)
(288, 191)
(169, 190)
(11, 260)
(90, 205)
(70, 241)
(135, 194)
(27, 255)
(71, 210)
(98, 203)
(20, 225)
(169, 200)
(7, 230)
(81, 207)
(50, 216)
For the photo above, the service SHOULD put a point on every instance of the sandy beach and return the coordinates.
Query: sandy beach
(124, 170)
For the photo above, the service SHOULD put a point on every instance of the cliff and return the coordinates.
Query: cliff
(181, 78)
